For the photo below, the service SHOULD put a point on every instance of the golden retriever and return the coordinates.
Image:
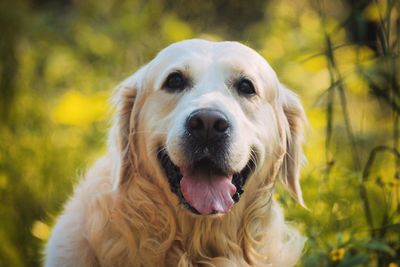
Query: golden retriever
(200, 137)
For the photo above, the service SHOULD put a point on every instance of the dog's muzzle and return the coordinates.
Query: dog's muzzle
(206, 184)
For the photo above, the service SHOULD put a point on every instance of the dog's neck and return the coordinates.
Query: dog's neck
(161, 225)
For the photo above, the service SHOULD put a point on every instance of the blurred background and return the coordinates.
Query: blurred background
(60, 60)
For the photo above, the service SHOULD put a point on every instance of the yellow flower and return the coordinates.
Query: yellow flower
(77, 109)
(175, 29)
(40, 230)
(337, 254)
(392, 264)
(374, 11)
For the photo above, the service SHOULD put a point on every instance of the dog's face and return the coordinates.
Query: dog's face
(209, 115)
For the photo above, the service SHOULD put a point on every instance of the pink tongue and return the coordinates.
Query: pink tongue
(207, 193)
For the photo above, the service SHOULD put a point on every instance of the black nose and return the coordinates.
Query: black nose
(207, 125)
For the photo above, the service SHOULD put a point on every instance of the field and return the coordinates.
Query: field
(60, 60)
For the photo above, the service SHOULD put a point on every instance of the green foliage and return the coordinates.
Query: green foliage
(59, 61)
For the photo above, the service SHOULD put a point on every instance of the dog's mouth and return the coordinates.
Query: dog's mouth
(204, 188)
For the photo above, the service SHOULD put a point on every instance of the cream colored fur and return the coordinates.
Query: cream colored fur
(123, 213)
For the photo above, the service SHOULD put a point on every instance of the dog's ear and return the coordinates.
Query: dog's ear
(293, 134)
(127, 101)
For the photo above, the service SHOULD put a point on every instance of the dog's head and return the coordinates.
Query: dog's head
(205, 117)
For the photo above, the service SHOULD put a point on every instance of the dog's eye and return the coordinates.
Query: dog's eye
(245, 87)
(175, 82)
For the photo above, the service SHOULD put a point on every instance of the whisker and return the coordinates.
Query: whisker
(151, 132)
(157, 150)
(253, 157)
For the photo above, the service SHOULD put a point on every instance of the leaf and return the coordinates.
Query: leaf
(380, 246)
(316, 259)
(353, 261)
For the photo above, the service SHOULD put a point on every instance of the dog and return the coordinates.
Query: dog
(200, 137)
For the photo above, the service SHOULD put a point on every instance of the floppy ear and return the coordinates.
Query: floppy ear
(122, 141)
(294, 123)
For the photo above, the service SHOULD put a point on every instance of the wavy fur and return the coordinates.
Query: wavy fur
(122, 214)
